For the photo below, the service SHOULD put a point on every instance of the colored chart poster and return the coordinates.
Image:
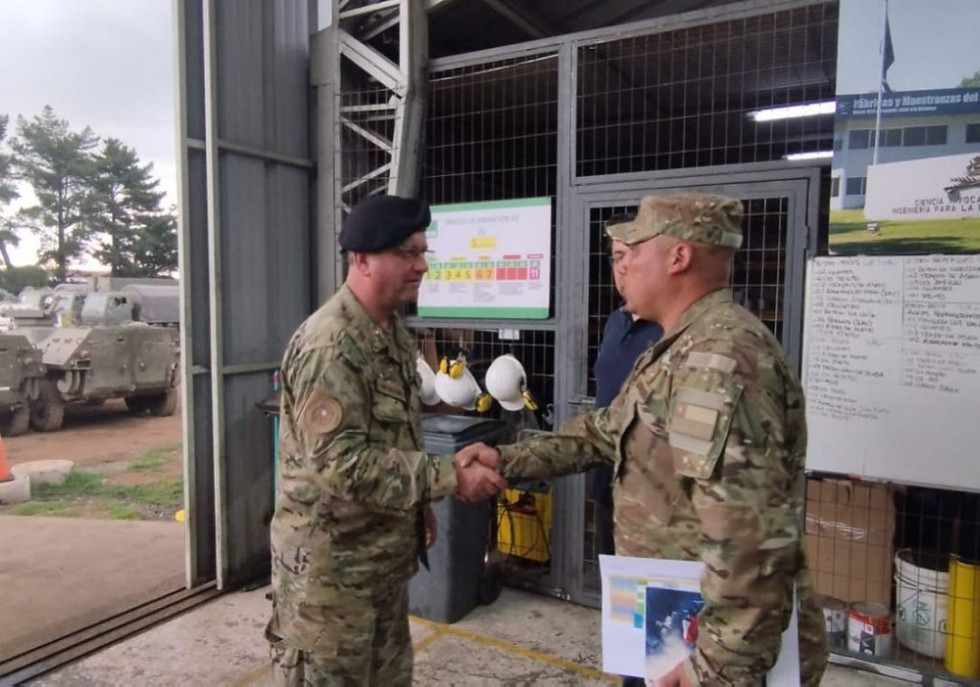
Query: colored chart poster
(489, 260)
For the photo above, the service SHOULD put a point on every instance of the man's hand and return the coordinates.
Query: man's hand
(479, 453)
(431, 526)
(675, 678)
(477, 482)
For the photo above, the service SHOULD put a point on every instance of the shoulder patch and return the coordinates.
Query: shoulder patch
(713, 361)
(323, 413)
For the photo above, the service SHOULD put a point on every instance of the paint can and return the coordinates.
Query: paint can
(869, 629)
(835, 619)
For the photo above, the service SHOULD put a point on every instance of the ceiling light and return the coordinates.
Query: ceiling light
(794, 111)
(810, 155)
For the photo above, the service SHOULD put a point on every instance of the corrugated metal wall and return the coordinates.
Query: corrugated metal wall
(246, 271)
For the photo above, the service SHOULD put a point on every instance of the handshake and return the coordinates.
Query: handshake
(478, 473)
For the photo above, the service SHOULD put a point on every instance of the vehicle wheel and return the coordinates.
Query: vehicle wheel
(15, 422)
(162, 405)
(137, 404)
(48, 411)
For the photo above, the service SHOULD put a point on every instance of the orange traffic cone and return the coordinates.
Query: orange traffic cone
(5, 475)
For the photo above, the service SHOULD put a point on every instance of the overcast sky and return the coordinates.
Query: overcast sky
(106, 64)
(934, 42)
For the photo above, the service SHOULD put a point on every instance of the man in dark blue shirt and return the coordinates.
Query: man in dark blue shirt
(625, 337)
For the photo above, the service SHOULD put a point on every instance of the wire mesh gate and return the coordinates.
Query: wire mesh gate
(595, 121)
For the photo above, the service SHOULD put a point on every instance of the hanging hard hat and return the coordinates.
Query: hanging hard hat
(429, 395)
(507, 382)
(461, 391)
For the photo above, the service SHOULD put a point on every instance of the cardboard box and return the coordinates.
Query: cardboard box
(850, 527)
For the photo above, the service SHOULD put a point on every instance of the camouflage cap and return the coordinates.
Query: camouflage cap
(696, 217)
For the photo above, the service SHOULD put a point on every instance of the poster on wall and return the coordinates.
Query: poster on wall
(489, 260)
(906, 161)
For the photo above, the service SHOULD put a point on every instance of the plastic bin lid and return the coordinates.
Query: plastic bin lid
(459, 428)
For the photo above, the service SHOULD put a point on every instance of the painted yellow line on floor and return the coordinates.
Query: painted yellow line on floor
(252, 676)
(501, 645)
(423, 643)
(438, 630)
(259, 672)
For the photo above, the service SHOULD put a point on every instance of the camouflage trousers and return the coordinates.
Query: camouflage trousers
(376, 649)
(814, 651)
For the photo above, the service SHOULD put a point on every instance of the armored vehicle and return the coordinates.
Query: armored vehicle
(94, 347)
(20, 374)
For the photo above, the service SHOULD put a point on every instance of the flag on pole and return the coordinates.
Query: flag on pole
(887, 56)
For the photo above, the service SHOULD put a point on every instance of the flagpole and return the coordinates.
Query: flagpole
(881, 86)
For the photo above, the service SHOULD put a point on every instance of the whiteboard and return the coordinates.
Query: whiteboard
(891, 368)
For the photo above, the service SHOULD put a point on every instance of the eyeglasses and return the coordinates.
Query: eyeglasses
(411, 254)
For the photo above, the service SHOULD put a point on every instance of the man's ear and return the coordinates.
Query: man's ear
(681, 258)
(360, 263)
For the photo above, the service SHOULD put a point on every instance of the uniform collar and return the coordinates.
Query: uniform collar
(374, 335)
(699, 308)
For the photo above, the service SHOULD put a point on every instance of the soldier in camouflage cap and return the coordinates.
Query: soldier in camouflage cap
(707, 441)
(696, 217)
(354, 481)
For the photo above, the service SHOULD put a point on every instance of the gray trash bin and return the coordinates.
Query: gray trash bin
(450, 588)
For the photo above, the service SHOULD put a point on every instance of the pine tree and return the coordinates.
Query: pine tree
(155, 253)
(58, 165)
(8, 193)
(122, 203)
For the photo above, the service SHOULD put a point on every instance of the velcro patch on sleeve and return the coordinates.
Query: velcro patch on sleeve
(323, 413)
(712, 361)
(694, 421)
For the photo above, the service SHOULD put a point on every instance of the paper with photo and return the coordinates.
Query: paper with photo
(650, 619)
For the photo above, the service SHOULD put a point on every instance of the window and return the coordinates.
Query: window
(936, 135)
(925, 135)
(835, 187)
(860, 138)
(915, 136)
(891, 138)
(973, 133)
(855, 186)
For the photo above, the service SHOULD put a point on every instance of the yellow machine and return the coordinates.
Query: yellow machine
(524, 522)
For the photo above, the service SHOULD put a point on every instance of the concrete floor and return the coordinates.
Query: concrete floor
(522, 639)
(59, 575)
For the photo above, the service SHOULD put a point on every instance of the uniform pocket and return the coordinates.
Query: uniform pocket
(388, 409)
(698, 426)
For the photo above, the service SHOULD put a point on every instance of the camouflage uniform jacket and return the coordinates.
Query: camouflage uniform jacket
(707, 439)
(352, 471)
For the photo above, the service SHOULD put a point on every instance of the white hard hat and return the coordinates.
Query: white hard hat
(461, 392)
(429, 395)
(506, 382)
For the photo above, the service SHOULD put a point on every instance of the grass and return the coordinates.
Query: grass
(849, 235)
(111, 510)
(86, 494)
(76, 484)
(39, 508)
(166, 493)
(149, 462)
(120, 511)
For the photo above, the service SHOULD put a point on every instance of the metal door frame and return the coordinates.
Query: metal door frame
(800, 185)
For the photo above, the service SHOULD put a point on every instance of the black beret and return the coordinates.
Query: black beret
(382, 222)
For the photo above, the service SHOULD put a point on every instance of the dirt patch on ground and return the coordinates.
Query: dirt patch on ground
(96, 435)
(127, 467)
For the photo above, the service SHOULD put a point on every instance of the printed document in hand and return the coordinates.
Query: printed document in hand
(650, 619)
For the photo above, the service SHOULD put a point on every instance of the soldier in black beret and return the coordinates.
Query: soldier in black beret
(352, 508)
(383, 222)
